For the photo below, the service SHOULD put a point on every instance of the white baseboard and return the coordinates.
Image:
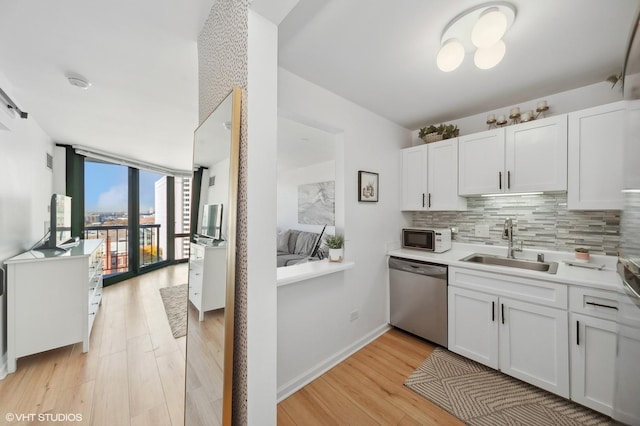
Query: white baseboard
(313, 373)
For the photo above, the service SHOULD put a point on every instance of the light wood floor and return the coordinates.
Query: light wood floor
(367, 389)
(132, 375)
(134, 372)
(205, 349)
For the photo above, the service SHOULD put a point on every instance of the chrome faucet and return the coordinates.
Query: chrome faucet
(508, 235)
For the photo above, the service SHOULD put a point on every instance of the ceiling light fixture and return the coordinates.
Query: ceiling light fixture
(478, 29)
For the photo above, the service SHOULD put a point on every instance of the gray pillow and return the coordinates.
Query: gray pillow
(283, 241)
(293, 238)
(306, 242)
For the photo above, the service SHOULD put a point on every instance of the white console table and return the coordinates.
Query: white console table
(52, 299)
(207, 277)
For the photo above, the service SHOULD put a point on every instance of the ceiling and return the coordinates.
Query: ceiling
(300, 145)
(141, 58)
(382, 57)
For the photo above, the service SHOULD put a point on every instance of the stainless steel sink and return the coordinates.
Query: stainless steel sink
(488, 259)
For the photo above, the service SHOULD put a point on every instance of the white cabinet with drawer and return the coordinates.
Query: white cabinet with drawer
(593, 347)
(52, 299)
(207, 277)
(517, 325)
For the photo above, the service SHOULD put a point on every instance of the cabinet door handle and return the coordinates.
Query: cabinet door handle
(508, 179)
(493, 311)
(602, 306)
(429, 200)
(502, 309)
(578, 333)
(499, 180)
(423, 199)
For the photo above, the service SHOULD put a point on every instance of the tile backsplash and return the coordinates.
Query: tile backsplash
(538, 221)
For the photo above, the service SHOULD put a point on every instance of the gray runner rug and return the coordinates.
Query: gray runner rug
(479, 395)
(174, 299)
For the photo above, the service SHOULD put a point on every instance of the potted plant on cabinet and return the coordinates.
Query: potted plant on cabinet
(437, 133)
(336, 249)
(582, 254)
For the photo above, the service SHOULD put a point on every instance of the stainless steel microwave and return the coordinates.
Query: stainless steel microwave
(437, 240)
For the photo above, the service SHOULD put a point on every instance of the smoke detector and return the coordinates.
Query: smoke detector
(78, 81)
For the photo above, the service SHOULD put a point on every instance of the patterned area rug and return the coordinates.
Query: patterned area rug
(479, 395)
(174, 299)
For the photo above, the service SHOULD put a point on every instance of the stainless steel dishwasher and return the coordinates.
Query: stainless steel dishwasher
(418, 298)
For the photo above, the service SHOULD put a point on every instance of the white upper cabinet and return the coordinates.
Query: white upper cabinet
(442, 171)
(596, 153)
(414, 178)
(536, 155)
(481, 162)
(430, 177)
(526, 157)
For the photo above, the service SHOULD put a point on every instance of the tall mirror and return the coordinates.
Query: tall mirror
(212, 266)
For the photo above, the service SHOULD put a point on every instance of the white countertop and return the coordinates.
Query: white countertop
(304, 271)
(83, 249)
(606, 279)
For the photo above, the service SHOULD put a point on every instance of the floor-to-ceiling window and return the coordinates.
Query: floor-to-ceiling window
(142, 216)
(182, 200)
(106, 206)
(152, 217)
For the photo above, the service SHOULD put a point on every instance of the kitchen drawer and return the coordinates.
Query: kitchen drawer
(195, 276)
(540, 292)
(596, 303)
(196, 252)
(195, 296)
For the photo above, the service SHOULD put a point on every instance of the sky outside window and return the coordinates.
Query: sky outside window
(106, 188)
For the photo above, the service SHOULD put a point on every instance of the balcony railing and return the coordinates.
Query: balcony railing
(116, 245)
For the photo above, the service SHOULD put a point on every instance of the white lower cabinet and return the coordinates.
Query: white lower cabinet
(593, 356)
(524, 340)
(473, 328)
(533, 345)
(593, 343)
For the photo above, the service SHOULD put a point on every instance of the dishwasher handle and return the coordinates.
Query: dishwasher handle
(417, 267)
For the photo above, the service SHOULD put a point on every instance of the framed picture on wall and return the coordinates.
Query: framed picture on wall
(367, 186)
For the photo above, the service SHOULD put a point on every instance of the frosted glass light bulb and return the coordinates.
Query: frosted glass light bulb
(489, 28)
(450, 55)
(490, 57)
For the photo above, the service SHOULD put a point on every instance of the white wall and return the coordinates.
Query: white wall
(25, 193)
(559, 103)
(262, 99)
(288, 182)
(370, 143)
(60, 170)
